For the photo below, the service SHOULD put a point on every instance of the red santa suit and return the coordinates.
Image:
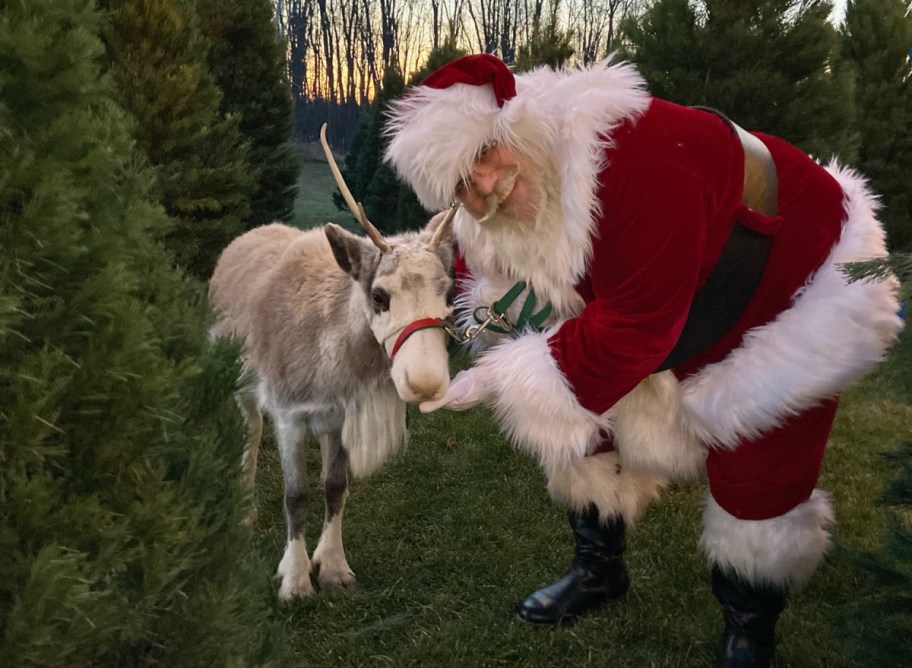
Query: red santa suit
(646, 196)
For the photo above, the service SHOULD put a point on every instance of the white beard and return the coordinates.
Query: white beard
(502, 249)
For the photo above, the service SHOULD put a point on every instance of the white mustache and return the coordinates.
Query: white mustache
(502, 190)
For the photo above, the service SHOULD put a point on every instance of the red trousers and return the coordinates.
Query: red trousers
(768, 476)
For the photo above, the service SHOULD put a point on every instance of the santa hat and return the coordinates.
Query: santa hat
(438, 128)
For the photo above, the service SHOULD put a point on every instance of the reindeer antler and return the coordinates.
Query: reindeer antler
(441, 229)
(355, 207)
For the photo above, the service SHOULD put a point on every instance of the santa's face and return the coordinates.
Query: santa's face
(498, 184)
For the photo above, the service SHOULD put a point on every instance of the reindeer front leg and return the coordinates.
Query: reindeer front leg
(330, 554)
(294, 569)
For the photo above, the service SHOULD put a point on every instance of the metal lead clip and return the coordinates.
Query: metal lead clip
(492, 317)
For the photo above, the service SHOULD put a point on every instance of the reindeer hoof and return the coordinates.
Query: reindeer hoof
(295, 586)
(294, 570)
(333, 569)
(342, 577)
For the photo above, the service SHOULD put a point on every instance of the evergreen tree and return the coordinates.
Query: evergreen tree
(664, 44)
(548, 45)
(370, 180)
(768, 64)
(382, 188)
(877, 39)
(248, 62)
(120, 491)
(879, 625)
(157, 57)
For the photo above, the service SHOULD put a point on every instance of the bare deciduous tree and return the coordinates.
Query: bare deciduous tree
(326, 57)
(348, 44)
(594, 23)
(369, 45)
(496, 25)
(411, 37)
(338, 49)
(455, 13)
(533, 13)
(389, 29)
(292, 18)
(485, 18)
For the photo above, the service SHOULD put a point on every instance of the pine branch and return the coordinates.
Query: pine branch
(898, 264)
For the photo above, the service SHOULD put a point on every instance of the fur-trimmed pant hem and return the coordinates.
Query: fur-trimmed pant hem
(600, 480)
(783, 551)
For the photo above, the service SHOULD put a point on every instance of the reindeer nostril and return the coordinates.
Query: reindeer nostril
(423, 391)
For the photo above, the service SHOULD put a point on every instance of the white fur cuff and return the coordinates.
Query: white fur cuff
(783, 551)
(534, 405)
(599, 479)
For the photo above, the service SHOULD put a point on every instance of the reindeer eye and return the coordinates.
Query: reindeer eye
(380, 300)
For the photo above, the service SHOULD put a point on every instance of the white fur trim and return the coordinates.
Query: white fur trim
(649, 432)
(601, 480)
(783, 551)
(646, 423)
(566, 117)
(534, 405)
(435, 133)
(833, 334)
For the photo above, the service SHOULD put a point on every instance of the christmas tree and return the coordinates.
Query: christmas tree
(769, 65)
(157, 58)
(120, 491)
(877, 39)
(248, 63)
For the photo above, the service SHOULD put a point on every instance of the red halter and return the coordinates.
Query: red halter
(408, 330)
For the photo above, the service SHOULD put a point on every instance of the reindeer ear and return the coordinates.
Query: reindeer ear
(350, 251)
(445, 249)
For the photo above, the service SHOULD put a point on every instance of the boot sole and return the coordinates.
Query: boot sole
(569, 620)
(544, 626)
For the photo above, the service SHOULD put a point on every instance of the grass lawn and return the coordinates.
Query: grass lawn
(458, 528)
(314, 205)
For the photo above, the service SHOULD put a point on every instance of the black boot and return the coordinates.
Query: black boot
(750, 615)
(596, 574)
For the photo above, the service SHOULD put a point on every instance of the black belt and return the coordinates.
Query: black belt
(728, 290)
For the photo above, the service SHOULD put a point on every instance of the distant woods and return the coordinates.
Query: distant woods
(339, 50)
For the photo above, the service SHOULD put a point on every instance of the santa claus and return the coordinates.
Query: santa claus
(700, 322)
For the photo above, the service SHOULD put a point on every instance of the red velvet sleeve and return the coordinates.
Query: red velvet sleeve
(645, 267)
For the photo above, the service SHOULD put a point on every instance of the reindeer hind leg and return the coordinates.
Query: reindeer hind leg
(250, 408)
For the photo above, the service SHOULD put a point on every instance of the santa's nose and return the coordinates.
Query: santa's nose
(484, 182)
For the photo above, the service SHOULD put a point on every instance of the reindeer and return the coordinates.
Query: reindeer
(339, 332)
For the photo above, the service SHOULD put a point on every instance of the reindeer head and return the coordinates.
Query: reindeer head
(406, 285)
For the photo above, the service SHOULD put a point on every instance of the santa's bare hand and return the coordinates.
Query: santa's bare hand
(465, 390)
